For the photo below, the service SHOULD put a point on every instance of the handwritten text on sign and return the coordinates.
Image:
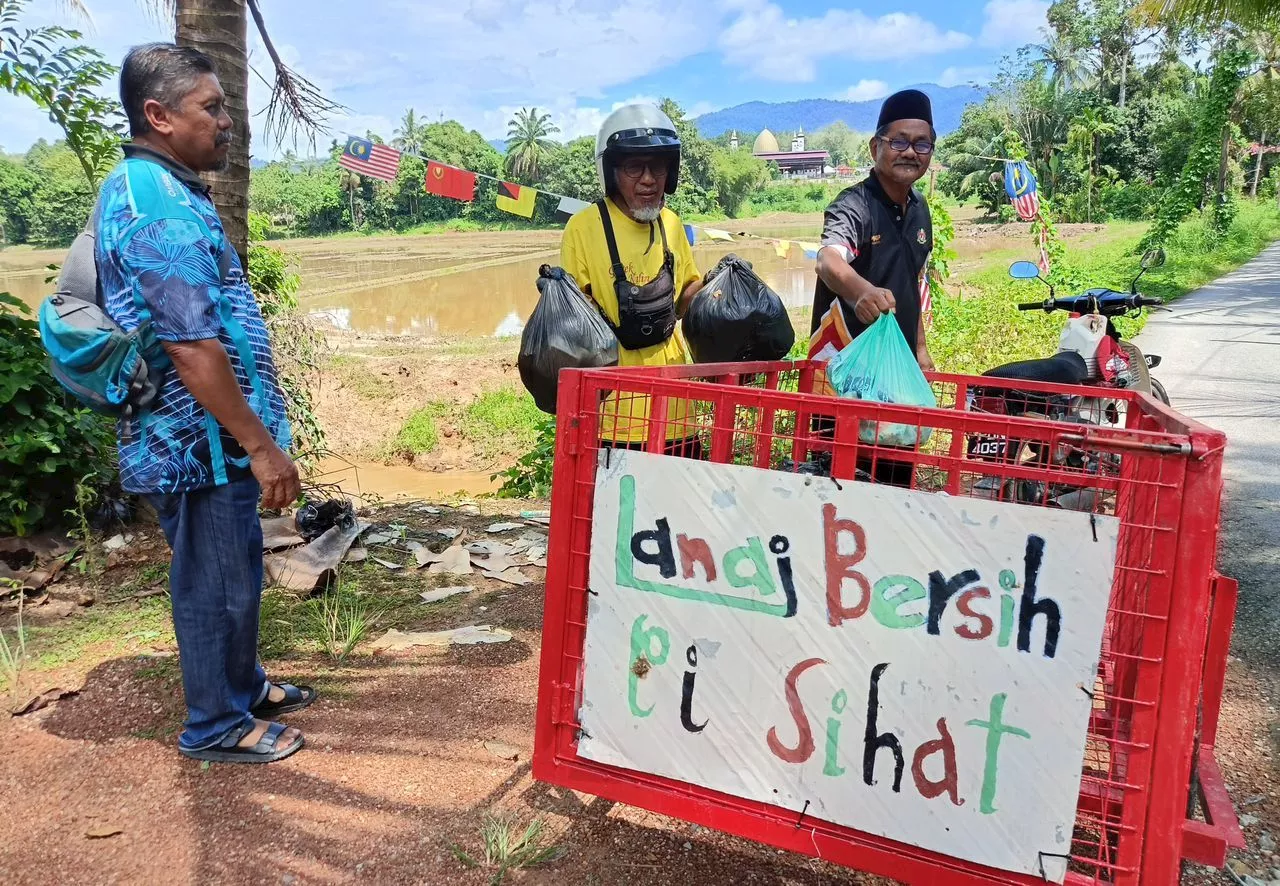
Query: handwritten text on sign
(907, 664)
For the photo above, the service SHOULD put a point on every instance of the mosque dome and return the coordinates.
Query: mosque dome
(766, 143)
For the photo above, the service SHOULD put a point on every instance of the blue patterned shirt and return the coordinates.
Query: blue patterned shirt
(159, 241)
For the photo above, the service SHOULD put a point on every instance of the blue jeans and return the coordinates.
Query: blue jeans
(215, 581)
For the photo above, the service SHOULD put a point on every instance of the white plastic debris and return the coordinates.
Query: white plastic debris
(509, 576)
(471, 635)
(445, 593)
(454, 561)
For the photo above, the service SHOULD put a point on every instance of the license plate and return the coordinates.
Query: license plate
(987, 447)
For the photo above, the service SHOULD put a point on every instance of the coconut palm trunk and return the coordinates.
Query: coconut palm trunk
(218, 28)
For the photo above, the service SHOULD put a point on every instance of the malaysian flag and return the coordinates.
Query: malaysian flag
(926, 297)
(376, 161)
(1020, 185)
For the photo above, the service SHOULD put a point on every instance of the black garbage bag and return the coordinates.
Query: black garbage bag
(736, 317)
(564, 332)
(316, 518)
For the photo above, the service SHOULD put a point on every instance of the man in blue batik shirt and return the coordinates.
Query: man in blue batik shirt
(214, 444)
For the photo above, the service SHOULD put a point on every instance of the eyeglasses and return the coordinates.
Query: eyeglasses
(923, 146)
(635, 168)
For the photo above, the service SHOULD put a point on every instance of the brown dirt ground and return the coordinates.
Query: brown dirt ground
(395, 772)
(367, 394)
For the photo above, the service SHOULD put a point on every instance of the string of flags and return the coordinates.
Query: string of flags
(365, 157)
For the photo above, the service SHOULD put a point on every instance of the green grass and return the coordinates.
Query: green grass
(339, 619)
(496, 423)
(107, 629)
(1108, 246)
(501, 421)
(13, 652)
(506, 848)
(985, 329)
(420, 434)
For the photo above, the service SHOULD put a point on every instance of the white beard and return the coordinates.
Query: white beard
(648, 213)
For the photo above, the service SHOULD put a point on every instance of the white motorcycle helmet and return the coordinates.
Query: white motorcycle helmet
(636, 129)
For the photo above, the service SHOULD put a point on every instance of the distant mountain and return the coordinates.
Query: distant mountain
(948, 104)
(498, 145)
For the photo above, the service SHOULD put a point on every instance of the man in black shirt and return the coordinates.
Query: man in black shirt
(876, 240)
(877, 235)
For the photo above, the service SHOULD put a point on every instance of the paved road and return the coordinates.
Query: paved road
(1221, 349)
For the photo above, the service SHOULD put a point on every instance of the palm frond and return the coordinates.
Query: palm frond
(161, 11)
(297, 105)
(1248, 13)
(76, 9)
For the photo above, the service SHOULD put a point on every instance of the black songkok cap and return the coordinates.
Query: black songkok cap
(909, 104)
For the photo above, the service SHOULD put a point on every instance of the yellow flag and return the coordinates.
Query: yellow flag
(516, 199)
(713, 234)
(782, 247)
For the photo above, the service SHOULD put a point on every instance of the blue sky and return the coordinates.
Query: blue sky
(478, 60)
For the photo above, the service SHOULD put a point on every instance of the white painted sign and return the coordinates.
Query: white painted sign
(908, 664)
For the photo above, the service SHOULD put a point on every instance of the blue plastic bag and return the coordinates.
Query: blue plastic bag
(878, 365)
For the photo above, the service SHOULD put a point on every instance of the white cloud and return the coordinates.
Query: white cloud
(763, 40)
(574, 120)
(358, 124)
(866, 90)
(960, 76)
(544, 52)
(1013, 22)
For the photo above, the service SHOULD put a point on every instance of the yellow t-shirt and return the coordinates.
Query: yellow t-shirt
(584, 253)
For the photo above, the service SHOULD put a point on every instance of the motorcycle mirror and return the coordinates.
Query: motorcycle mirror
(1024, 270)
(1153, 258)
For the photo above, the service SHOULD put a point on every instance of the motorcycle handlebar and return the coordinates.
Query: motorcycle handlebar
(1049, 305)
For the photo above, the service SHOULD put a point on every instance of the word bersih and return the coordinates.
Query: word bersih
(850, 596)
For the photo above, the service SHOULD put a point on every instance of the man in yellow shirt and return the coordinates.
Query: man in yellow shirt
(629, 253)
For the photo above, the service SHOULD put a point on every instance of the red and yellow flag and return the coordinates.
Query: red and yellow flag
(516, 199)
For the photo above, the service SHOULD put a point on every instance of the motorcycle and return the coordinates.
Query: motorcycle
(1116, 363)
(1093, 354)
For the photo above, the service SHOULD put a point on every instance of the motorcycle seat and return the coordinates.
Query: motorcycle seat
(1065, 368)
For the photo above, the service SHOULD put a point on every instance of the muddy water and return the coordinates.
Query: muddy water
(453, 285)
(370, 483)
(441, 288)
(28, 286)
(494, 299)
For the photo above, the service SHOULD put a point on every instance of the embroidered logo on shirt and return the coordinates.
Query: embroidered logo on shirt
(921, 238)
(875, 239)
